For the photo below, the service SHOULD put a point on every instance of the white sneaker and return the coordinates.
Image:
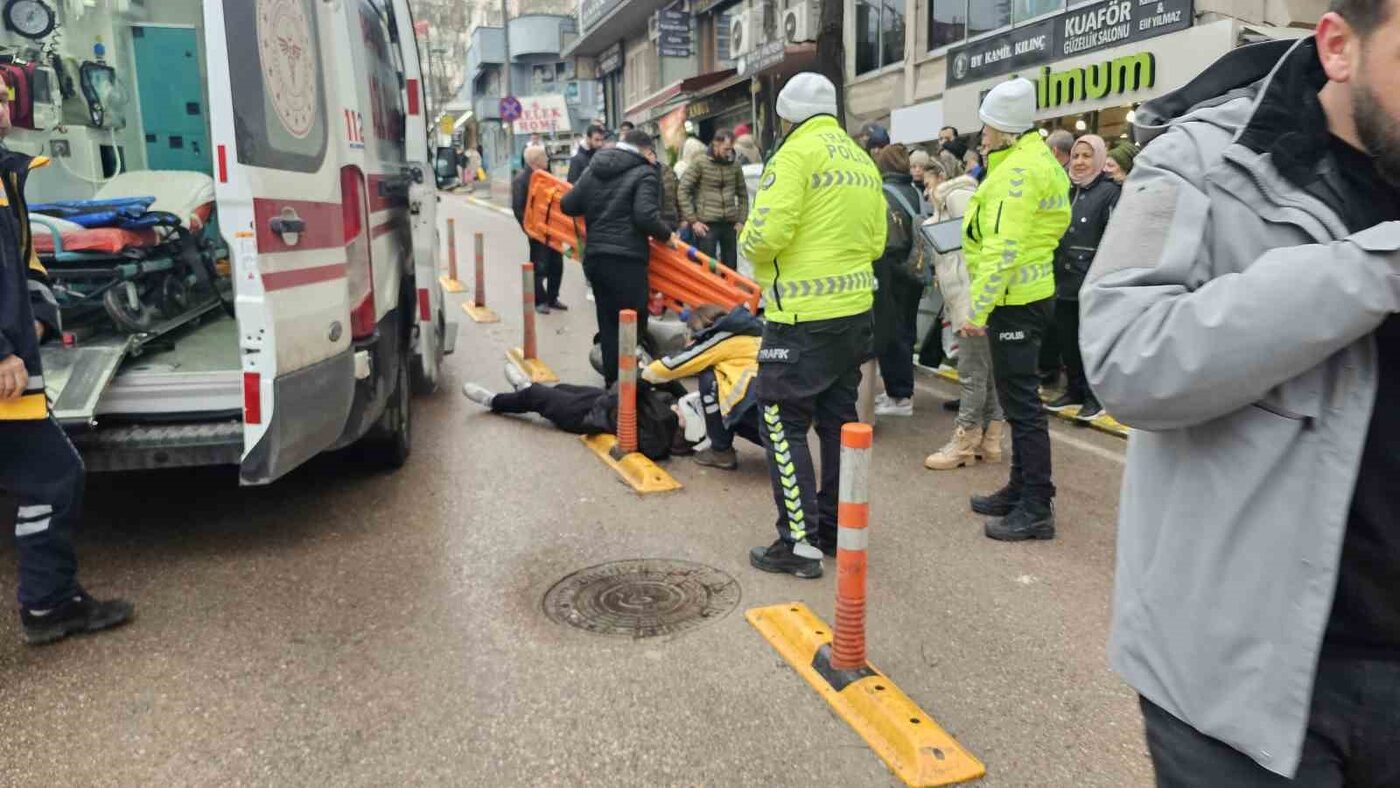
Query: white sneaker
(478, 394)
(517, 378)
(881, 399)
(895, 407)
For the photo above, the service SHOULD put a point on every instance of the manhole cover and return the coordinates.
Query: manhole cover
(642, 598)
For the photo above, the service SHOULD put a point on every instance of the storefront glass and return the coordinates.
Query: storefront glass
(984, 16)
(947, 23)
(1023, 10)
(879, 34)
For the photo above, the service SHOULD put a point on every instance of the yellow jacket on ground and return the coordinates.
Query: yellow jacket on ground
(1013, 225)
(817, 226)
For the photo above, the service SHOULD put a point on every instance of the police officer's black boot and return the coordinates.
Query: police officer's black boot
(781, 557)
(80, 614)
(1029, 520)
(999, 504)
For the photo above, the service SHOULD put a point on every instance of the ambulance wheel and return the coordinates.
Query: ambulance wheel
(124, 306)
(391, 439)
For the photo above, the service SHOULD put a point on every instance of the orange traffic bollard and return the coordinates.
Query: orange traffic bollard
(852, 522)
(450, 282)
(525, 357)
(627, 382)
(527, 280)
(479, 297)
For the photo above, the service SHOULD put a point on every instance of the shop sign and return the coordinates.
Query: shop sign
(766, 56)
(673, 27)
(1115, 77)
(610, 59)
(1079, 31)
(721, 103)
(591, 12)
(546, 113)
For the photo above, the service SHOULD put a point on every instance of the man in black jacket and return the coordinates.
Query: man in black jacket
(38, 465)
(620, 197)
(592, 143)
(549, 264)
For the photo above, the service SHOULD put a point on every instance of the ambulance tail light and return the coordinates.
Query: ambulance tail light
(359, 263)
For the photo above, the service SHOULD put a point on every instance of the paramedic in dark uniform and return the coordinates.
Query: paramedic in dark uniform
(816, 228)
(38, 466)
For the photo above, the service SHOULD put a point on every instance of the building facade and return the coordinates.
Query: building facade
(918, 65)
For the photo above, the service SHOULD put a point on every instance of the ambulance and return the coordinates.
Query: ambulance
(238, 214)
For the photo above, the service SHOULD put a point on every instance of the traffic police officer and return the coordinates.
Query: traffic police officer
(816, 227)
(38, 465)
(1010, 232)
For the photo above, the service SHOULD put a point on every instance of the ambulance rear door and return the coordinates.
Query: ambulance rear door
(275, 118)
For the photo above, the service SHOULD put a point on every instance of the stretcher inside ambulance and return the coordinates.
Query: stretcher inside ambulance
(232, 212)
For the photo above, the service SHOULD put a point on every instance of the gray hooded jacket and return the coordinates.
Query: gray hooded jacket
(1228, 317)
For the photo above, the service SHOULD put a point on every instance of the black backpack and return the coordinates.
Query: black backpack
(903, 234)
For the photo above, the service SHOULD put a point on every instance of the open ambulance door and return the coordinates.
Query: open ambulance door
(278, 184)
(430, 345)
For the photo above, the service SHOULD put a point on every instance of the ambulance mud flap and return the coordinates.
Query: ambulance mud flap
(310, 408)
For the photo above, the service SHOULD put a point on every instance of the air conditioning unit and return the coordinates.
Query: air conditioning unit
(741, 34)
(800, 22)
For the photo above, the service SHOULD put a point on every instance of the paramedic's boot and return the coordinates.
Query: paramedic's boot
(1029, 520)
(989, 450)
(80, 614)
(960, 451)
(478, 394)
(801, 559)
(517, 378)
(725, 460)
(998, 504)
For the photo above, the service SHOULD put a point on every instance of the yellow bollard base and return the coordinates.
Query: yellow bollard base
(481, 314)
(909, 741)
(538, 371)
(452, 285)
(640, 473)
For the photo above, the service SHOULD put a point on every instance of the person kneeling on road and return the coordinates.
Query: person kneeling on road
(38, 465)
(587, 410)
(817, 226)
(723, 353)
(1010, 233)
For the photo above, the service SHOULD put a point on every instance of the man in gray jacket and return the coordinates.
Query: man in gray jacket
(1240, 315)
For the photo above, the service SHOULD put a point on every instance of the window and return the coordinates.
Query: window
(984, 16)
(1023, 10)
(947, 23)
(280, 106)
(879, 34)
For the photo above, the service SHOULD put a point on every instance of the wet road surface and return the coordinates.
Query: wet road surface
(352, 627)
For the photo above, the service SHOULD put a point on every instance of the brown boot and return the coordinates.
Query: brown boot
(960, 451)
(989, 450)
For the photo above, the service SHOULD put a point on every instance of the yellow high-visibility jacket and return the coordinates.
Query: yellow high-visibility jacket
(817, 226)
(1013, 225)
(730, 348)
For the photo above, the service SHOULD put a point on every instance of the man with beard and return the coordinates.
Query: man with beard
(1241, 313)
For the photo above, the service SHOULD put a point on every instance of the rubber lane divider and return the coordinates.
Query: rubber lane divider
(525, 356)
(450, 283)
(620, 451)
(1105, 423)
(909, 741)
(476, 308)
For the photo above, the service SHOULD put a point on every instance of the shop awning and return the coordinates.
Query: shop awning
(679, 92)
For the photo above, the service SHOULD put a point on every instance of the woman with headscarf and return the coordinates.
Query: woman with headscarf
(746, 148)
(1093, 195)
(1120, 161)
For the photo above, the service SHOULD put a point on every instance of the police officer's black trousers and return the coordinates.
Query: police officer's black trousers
(1016, 333)
(40, 467)
(809, 373)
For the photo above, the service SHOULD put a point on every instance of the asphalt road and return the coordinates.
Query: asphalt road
(350, 627)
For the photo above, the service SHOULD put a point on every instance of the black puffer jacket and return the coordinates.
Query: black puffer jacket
(578, 164)
(620, 196)
(1093, 204)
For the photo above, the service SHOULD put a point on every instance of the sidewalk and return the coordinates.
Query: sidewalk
(1104, 423)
